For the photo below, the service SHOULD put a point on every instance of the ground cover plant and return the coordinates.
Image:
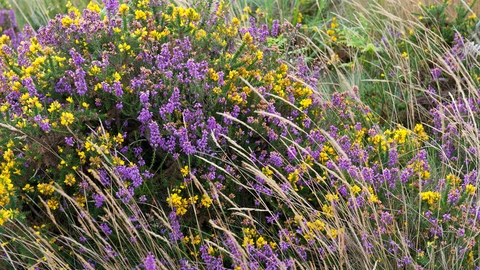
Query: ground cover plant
(213, 135)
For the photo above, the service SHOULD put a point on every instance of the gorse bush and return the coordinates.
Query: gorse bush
(148, 135)
(137, 86)
(154, 80)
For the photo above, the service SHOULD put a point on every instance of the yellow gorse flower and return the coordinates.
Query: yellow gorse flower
(184, 171)
(67, 118)
(45, 189)
(66, 21)
(247, 38)
(140, 15)
(69, 180)
(53, 203)
(179, 203)
(93, 7)
(430, 197)
(206, 201)
(123, 9)
(470, 189)
(4, 215)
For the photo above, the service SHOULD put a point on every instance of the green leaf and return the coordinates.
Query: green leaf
(371, 48)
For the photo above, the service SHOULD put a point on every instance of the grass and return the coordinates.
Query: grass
(37, 13)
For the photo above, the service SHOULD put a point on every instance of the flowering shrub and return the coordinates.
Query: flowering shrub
(139, 83)
(138, 86)
(147, 135)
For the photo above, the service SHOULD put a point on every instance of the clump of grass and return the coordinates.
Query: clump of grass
(37, 13)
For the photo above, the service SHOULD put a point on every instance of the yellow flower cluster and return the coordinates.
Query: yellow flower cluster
(101, 143)
(430, 197)
(372, 198)
(293, 177)
(453, 179)
(317, 225)
(45, 188)
(4, 215)
(327, 153)
(420, 132)
(267, 172)
(184, 171)
(331, 31)
(180, 204)
(206, 201)
(8, 166)
(123, 9)
(184, 15)
(69, 180)
(67, 118)
(470, 189)
(400, 135)
(251, 237)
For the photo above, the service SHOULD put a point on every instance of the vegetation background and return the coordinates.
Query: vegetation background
(240, 135)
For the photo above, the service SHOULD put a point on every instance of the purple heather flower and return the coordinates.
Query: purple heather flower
(221, 81)
(130, 173)
(263, 33)
(99, 199)
(145, 116)
(184, 265)
(117, 86)
(392, 157)
(392, 246)
(155, 136)
(106, 229)
(406, 174)
(386, 218)
(366, 244)
(176, 234)
(342, 190)
(104, 178)
(7, 19)
(44, 125)
(79, 81)
(436, 73)
(291, 153)
(69, 141)
(453, 197)
(149, 263)
(125, 194)
(144, 98)
(111, 6)
(77, 58)
(63, 86)
(368, 174)
(30, 85)
(275, 28)
(470, 178)
(276, 159)
(212, 262)
(344, 163)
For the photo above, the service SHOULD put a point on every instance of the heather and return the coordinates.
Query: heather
(234, 135)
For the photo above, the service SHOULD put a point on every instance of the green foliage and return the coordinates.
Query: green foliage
(435, 18)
